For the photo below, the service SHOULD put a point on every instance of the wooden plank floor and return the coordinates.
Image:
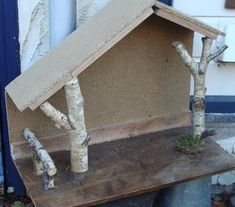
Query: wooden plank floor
(125, 168)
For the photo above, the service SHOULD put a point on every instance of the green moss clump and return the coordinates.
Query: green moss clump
(190, 145)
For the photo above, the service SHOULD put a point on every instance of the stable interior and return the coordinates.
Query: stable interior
(138, 86)
(136, 89)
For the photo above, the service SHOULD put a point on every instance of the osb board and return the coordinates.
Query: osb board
(88, 43)
(125, 168)
(140, 79)
(185, 20)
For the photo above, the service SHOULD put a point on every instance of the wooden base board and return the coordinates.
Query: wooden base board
(124, 168)
(107, 134)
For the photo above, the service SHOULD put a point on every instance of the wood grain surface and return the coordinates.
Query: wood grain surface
(125, 168)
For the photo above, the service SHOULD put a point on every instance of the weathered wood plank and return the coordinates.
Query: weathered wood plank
(125, 168)
(184, 20)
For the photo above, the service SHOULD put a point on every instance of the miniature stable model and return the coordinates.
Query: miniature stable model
(131, 83)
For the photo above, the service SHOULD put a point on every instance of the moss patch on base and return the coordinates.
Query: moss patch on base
(190, 145)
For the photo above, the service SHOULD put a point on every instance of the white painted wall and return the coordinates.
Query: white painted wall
(203, 8)
(221, 76)
(34, 26)
(87, 8)
(60, 26)
(33, 31)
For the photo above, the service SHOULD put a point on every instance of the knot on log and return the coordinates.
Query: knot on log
(198, 103)
(87, 139)
(82, 138)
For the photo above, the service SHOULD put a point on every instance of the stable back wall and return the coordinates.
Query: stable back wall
(139, 80)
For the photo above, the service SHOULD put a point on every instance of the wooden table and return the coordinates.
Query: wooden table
(125, 168)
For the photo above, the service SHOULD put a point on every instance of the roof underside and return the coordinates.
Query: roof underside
(82, 48)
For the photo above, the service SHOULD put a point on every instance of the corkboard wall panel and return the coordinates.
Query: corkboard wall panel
(140, 78)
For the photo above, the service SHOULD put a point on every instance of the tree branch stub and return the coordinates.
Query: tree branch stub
(55, 115)
(48, 182)
(206, 50)
(216, 53)
(185, 57)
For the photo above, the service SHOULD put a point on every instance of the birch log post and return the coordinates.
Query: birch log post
(78, 135)
(74, 123)
(198, 71)
(44, 164)
(42, 154)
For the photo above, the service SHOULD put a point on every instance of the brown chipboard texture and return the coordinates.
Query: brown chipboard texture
(77, 51)
(107, 134)
(87, 44)
(141, 78)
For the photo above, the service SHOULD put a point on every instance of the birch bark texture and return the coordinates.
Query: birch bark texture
(44, 165)
(74, 123)
(198, 71)
(42, 154)
(78, 134)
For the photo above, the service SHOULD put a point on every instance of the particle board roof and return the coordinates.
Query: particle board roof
(87, 44)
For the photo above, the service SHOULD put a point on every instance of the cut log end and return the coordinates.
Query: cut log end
(48, 182)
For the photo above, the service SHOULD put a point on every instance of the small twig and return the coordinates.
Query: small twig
(217, 53)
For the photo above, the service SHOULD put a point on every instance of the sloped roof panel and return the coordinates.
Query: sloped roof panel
(88, 43)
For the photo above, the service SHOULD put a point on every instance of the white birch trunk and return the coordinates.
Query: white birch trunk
(198, 105)
(198, 71)
(74, 122)
(42, 154)
(78, 135)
